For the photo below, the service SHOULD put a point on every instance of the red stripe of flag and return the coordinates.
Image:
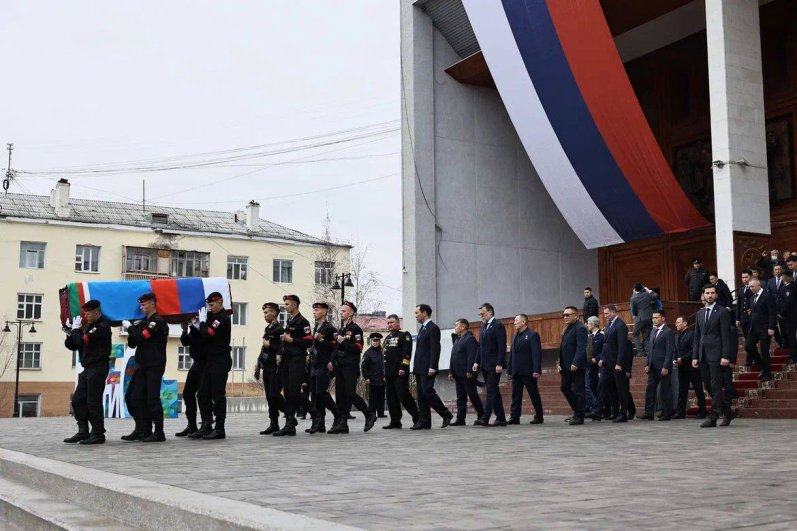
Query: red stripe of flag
(168, 297)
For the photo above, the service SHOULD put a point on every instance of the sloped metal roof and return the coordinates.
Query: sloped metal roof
(450, 19)
(131, 214)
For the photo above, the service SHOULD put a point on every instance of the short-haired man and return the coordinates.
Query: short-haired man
(724, 297)
(267, 366)
(491, 358)
(743, 294)
(763, 314)
(425, 367)
(398, 353)
(687, 375)
(460, 370)
(642, 311)
(661, 348)
(695, 279)
(573, 362)
(92, 340)
(215, 328)
(320, 355)
(616, 366)
(594, 357)
(591, 306)
(525, 368)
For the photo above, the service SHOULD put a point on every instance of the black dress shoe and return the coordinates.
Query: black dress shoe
(191, 428)
(513, 421)
(620, 419)
(726, 420)
(709, 423)
(576, 421)
(701, 416)
(214, 435)
(481, 422)
(421, 427)
(499, 423)
(595, 416)
(664, 418)
(370, 420)
(679, 417)
(646, 416)
(94, 438)
(536, 420)
(416, 427)
(81, 436)
(458, 422)
(285, 431)
(135, 436)
(567, 419)
(156, 436)
(608, 416)
(447, 420)
(392, 426)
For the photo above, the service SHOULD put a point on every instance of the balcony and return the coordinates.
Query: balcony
(142, 275)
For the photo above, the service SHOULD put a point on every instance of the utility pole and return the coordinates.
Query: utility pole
(144, 196)
(10, 174)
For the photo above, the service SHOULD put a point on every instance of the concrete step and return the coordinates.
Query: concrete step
(768, 413)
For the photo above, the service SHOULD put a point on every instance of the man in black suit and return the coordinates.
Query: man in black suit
(573, 363)
(714, 352)
(763, 313)
(525, 368)
(463, 356)
(661, 347)
(724, 297)
(491, 358)
(777, 288)
(427, 357)
(590, 304)
(687, 375)
(787, 310)
(616, 364)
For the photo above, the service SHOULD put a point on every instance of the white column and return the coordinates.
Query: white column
(741, 191)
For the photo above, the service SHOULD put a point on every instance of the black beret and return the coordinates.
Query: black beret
(295, 298)
(93, 304)
(321, 305)
(147, 297)
(214, 297)
(375, 335)
(273, 305)
(350, 305)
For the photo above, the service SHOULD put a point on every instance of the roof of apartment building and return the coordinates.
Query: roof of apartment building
(60, 207)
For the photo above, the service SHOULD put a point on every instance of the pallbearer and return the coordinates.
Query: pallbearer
(192, 339)
(267, 366)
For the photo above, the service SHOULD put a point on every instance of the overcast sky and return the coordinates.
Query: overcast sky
(93, 84)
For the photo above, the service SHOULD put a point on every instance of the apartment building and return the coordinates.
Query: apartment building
(47, 242)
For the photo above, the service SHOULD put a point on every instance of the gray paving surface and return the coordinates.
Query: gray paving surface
(639, 475)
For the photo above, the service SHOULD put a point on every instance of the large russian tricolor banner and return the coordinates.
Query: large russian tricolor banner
(565, 88)
(177, 297)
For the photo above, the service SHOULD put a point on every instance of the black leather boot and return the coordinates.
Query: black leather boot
(95, 437)
(289, 428)
(273, 427)
(157, 434)
(82, 433)
(191, 428)
(139, 433)
(203, 430)
(217, 433)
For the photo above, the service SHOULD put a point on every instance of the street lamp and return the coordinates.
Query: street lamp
(345, 282)
(20, 324)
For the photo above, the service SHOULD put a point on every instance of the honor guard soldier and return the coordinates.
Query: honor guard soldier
(92, 340)
(321, 354)
(267, 366)
(398, 352)
(148, 336)
(192, 339)
(215, 329)
(296, 340)
(346, 363)
(373, 372)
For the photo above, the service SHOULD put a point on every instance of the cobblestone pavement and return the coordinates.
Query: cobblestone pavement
(600, 475)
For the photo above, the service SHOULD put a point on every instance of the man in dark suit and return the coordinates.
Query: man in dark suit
(525, 368)
(661, 347)
(463, 356)
(743, 293)
(616, 364)
(763, 313)
(787, 310)
(427, 357)
(573, 363)
(687, 375)
(714, 352)
(590, 304)
(491, 359)
(724, 297)
(777, 288)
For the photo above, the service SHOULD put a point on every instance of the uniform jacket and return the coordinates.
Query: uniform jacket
(463, 354)
(348, 352)
(92, 342)
(724, 297)
(573, 349)
(215, 334)
(743, 303)
(268, 356)
(590, 307)
(712, 340)
(373, 367)
(397, 348)
(787, 306)
(427, 349)
(695, 279)
(193, 340)
(615, 345)
(525, 354)
(661, 348)
(492, 346)
(324, 347)
(149, 337)
(299, 329)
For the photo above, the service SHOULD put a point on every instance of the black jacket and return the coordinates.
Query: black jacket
(92, 342)
(661, 348)
(193, 340)
(787, 306)
(348, 352)
(373, 367)
(724, 297)
(268, 356)
(695, 279)
(398, 352)
(573, 348)
(590, 307)
(463, 354)
(427, 349)
(763, 313)
(149, 337)
(712, 340)
(525, 354)
(615, 345)
(216, 332)
(299, 329)
(683, 348)
(743, 294)
(492, 346)
(323, 348)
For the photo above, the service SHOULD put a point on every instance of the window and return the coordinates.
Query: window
(30, 355)
(141, 259)
(239, 310)
(29, 405)
(31, 255)
(283, 316)
(239, 358)
(283, 271)
(29, 306)
(324, 272)
(184, 360)
(87, 259)
(190, 264)
(236, 267)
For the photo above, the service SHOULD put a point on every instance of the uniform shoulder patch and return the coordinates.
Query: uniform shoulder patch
(152, 324)
(215, 324)
(306, 329)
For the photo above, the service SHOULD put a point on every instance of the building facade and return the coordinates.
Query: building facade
(48, 242)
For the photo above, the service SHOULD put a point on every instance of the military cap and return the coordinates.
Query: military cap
(147, 297)
(697, 260)
(375, 335)
(321, 305)
(93, 304)
(294, 298)
(215, 296)
(350, 305)
(273, 305)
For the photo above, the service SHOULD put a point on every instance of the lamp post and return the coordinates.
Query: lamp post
(345, 282)
(20, 324)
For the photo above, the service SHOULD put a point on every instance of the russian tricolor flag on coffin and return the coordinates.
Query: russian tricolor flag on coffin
(565, 88)
(178, 298)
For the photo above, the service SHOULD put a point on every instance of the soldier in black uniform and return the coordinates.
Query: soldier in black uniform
(295, 341)
(214, 329)
(398, 352)
(346, 363)
(320, 355)
(373, 371)
(92, 340)
(193, 340)
(267, 365)
(148, 336)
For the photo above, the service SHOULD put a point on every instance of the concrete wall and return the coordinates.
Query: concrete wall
(498, 236)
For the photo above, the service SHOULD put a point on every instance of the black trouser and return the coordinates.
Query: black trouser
(641, 332)
(143, 396)
(466, 388)
(530, 383)
(690, 376)
(572, 387)
(398, 393)
(789, 332)
(428, 400)
(719, 383)
(751, 347)
(654, 379)
(623, 393)
(745, 326)
(321, 398)
(346, 391)
(272, 385)
(87, 398)
(213, 389)
(193, 381)
(606, 399)
(494, 402)
(293, 371)
(376, 399)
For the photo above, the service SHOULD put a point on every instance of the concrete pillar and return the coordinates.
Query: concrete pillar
(741, 189)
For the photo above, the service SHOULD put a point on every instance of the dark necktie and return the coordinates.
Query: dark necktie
(655, 333)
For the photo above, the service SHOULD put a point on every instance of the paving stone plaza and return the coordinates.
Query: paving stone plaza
(639, 475)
